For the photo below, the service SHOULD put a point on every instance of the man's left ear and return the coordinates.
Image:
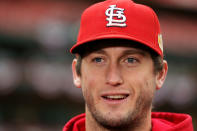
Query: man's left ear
(161, 76)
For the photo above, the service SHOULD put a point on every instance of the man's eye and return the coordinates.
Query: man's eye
(98, 60)
(131, 60)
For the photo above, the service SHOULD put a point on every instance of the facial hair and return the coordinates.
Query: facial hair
(131, 120)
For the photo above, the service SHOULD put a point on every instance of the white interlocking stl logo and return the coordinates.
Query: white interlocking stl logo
(116, 16)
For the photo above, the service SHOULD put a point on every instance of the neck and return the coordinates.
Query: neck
(142, 125)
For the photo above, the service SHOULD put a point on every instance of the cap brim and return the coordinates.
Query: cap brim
(75, 49)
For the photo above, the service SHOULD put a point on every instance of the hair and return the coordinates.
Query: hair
(84, 50)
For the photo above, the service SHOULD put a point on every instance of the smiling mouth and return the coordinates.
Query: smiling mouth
(115, 97)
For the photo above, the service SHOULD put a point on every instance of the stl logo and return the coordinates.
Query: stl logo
(116, 16)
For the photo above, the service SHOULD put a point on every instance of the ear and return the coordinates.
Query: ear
(76, 77)
(161, 76)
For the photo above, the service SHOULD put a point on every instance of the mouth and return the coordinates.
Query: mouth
(115, 97)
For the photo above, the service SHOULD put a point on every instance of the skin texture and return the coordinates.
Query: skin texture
(113, 71)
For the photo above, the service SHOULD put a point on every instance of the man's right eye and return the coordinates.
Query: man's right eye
(98, 60)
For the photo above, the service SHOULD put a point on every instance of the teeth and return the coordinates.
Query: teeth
(115, 97)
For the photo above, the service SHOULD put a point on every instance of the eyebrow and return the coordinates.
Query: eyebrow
(125, 52)
(134, 51)
(100, 51)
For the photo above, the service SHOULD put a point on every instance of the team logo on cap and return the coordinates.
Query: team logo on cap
(115, 16)
(160, 41)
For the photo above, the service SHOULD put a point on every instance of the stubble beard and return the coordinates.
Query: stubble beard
(131, 120)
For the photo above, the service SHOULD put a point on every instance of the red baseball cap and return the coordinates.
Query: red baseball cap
(120, 19)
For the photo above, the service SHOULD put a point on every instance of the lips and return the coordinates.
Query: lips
(115, 96)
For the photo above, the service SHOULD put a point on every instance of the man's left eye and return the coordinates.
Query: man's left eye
(131, 60)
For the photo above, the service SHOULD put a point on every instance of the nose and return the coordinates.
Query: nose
(114, 77)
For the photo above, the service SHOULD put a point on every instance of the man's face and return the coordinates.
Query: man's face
(118, 84)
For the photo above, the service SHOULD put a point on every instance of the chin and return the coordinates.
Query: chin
(114, 119)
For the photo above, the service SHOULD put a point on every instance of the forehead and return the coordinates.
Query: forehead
(98, 45)
(119, 51)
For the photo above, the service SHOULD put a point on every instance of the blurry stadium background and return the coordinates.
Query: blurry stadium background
(36, 89)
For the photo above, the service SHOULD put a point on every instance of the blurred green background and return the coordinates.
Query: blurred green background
(36, 89)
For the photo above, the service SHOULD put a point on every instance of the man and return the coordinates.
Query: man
(119, 65)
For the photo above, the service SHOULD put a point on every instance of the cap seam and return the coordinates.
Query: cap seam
(154, 26)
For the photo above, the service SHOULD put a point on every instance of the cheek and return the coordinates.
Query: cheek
(91, 83)
(142, 82)
(150, 87)
(92, 77)
(87, 86)
(88, 92)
